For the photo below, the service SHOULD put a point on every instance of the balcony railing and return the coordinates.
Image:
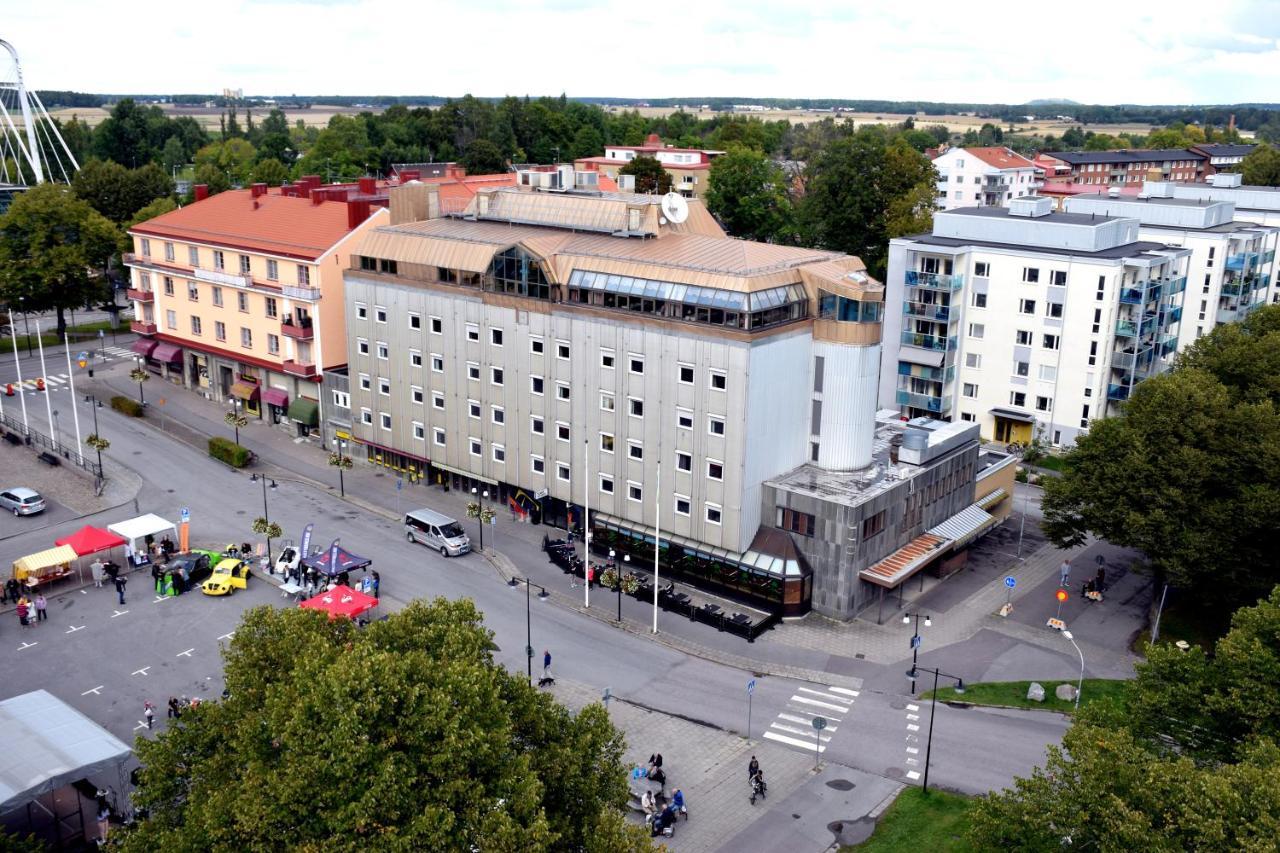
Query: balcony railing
(1228, 315)
(938, 343)
(1125, 329)
(1117, 392)
(1170, 315)
(1177, 285)
(141, 328)
(1268, 256)
(297, 332)
(293, 292)
(923, 401)
(1132, 361)
(927, 311)
(1132, 296)
(141, 295)
(1240, 261)
(933, 374)
(1232, 288)
(302, 369)
(934, 281)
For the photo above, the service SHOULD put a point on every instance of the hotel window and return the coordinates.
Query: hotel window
(537, 426)
(719, 380)
(795, 522)
(562, 431)
(715, 425)
(714, 513)
(273, 270)
(562, 391)
(537, 464)
(383, 352)
(362, 311)
(496, 376)
(437, 363)
(379, 314)
(384, 387)
(193, 255)
(195, 325)
(637, 365)
(171, 319)
(304, 276)
(684, 461)
(219, 260)
(366, 417)
(682, 505)
(499, 453)
(477, 449)
(634, 492)
(272, 306)
(362, 346)
(473, 409)
(242, 301)
(635, 450)
(715, 470)
(415, 320)
(498, 415)
(606, 402)
(635, 407)
(684, 419)
(246, 337)
(535, 345)
(535, 385)
(606, 442)
(146, 247)
(437, 401)
(562, 350)
(495, 337)
(244, 265)
(562, 473)
(415, 358)
(473, 332)
(216, 293)
(437, 326)
(415, 394)
(342, 399)
(606, 358)
(419, 432)
(606, 485)
(386, 421)
(686, 374)
(1027, 306)
(438, 437)
(273, 344)
(168, 252)
(220, 330)
(193, 289)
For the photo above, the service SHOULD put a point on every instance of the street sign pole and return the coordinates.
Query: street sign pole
(751, 689)
(819, 723)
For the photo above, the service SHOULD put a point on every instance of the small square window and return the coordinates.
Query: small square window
(979, 300)
(415, 358)
(366, 417)
(384, 387)
(476, 448)
(415, 320)
(473, 409)
(379, 314)
(535, 346)
(499, 453)
(713, 513)
(386, 421)
(437, 401)
(606, 402)
(719, 380)
(535, 385)
(562, 350)
(537, 426)
(1027, 306)
(684, 461)
(684, 419)
(562, 473)
(537, 465)
(383, 352)
(634, 492)
(438, 437)
(686, 374)
(635, 450)
(496, 375)
(715, 470)
(495, 337)
(635, 407)
(437, 363)
(437, 326)
(606, 442)
(637, 365)
(682, 505)
(562, 391)
(562, 431)
(362, 311)
(606, 358)
(473, 332)
(362, 346)
(498, 415)
(715, 425)
(473, 371)
(419, 431)
(606, 485)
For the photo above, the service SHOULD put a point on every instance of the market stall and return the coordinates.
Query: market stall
(341, 601)
(335, 560)
(46, 567)
(140, 534)
(91, 540)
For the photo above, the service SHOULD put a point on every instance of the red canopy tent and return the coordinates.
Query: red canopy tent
(90, 540)
(341, 601)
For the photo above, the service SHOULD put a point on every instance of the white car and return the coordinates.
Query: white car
(288, 560)
(22, 501)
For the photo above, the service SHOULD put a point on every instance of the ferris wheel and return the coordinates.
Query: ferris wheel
(32, 150)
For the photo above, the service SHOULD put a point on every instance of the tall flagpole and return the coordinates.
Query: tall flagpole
(48, 403)
(657, 539)
(75, 412)
(586, 521)
(17, 362)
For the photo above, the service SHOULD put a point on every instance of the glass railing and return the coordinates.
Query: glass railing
(1231, 288)
(933, 374)
(940, 343)
(1268, 256)
(934, 281)
(1117, 392)
(1132, 296)
(923, 401)
(1241, 260)
(1176, 285)
(927, 311)
(1228, 315)
(1125, 329)
(1168, 344)
(1171, 315)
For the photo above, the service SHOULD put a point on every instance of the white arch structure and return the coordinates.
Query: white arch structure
(31, 147)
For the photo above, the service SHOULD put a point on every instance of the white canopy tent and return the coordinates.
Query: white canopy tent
(49, 744)
(136, 530)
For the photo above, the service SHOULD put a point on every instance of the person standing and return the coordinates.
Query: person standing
(174, 711)
(376, 581)
(1100, 580)
(11, 585)
(753, 768)
(546, 664)
(96, 568)
(149, 712)
(121, 580)
(23, 613)
(1064, 572)
(41, 605)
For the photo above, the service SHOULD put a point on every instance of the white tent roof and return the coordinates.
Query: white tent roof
(49, 744)
(141, 527)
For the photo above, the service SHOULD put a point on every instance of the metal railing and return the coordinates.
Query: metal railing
(927, 311)
(923, 401)
(33, 437)
(1117, 392)
(934, 281)
(938, 343)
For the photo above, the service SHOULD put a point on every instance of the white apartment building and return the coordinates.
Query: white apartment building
(1021, 319)
(982, 177)
(1253, 203)
(1231, 271)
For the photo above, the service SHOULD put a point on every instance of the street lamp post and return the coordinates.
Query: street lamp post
(932, 709)
(626, 561)
(341, 461)
(915, 642)
(265, 514)
(57, 435)
(97, 436)
(480, 496)
(528, 616)
(1080, 683)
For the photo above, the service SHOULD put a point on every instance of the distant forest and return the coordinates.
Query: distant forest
(1248, 116)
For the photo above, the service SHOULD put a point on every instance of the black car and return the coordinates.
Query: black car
(197, 565)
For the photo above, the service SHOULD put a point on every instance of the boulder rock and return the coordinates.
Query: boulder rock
(1036, 692)
(1065, 692)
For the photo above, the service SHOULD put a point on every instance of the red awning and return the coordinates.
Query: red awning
(90, 540)
(276, 397)
(341, 601)
(167, 353)
(144, 346)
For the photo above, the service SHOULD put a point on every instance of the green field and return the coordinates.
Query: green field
(1013, 694)
(937, 822)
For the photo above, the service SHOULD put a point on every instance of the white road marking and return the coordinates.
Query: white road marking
(912, 775)
(913, 750)
(804, 700)
(140, 725)
(843, 690)
(227, 636)
(912, 727)
(824, 695)
(913, 707)
(119, 613)
(142, 671)
(185, 654)
(797, 731)
(913, 717)
(159, 598)
(806, 745)
(84, 592)
(912, 761)
(807, 721)
(26, 645)
(73, 629)
(97, 691)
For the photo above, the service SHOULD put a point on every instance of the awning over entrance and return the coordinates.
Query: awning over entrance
(144, 346)
(276, 397)
(988, 501)
(246, 391)
(468, 474)
(1014, 415)
(305, 411)
(756, 561)
(905, 562)
(167, 353)
(964, 526)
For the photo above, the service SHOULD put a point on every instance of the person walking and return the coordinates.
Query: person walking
(546, 664)
(11, 585)
(1100, 580)
(121, 580)
(149, 712)
(23, 613)
(174, 711)
(376, 581)
(41, 606)
(1064, 572)
(753, 768)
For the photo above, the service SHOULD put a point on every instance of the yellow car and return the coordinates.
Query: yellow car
(228, 576)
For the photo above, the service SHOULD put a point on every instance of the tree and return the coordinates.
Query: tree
(1261, 167)
(116, 192)
(587, 142)
(403, 735)
(748, 192)
(233, 157)
(53, 248)
(1186, 473)
(859, 189)
(159, 207)
(649, 174)
(173, 155)
(482, 157)
(270, 172)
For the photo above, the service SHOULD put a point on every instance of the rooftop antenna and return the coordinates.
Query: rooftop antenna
(35, 144)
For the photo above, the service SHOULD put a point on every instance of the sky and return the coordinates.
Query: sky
(1130, 51)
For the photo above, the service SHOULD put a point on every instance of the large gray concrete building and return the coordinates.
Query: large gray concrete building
(616, 355)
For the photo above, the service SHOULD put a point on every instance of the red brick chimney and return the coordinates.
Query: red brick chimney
(202, 191)
(357, 212)
(368, 186)
(258, 189)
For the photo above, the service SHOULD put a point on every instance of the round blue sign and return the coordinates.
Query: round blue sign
(1011, 582)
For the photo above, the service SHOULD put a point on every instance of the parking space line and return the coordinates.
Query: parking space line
(913, 717)
(73, 629)
(912, 727)
(227, 636)
(140, 725)
(913, 707)
(119, 613)
(26, 645)
(185, 654)
(160, 598)
(97, 691)
(142, 671)
(912, 750)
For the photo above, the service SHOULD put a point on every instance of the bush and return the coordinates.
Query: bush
(228, 451)
(127, 406)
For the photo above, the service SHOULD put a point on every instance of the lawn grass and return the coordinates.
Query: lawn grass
(87, 332)
(1050, 462)
(1014, 693)
(1188, 619)
(936, 821)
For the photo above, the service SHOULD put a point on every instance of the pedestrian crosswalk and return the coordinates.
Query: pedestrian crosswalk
(62, 381)
(913, 740)
(794, 725)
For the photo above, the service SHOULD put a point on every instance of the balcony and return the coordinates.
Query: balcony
(1126, 329)
(923, 401)
(141, 328)
(927, 311)
(1240, 261)
(1231, 288)
(1170, 315)
(1177, 285)
(1132, 296)
(1268, 256)
(933, 374)
(934, 281)
(1118, 392)
(223, 277)
(300, 369)
(141, 295)
(309, 294)
(1168, 344)
(1227, 315)
(297, 332)
(937, 343)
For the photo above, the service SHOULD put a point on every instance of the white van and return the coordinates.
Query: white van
(436, 530)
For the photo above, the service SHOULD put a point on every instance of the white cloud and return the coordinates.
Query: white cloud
(1090, 51)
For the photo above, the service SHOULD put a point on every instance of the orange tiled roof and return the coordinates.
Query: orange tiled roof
(456, 191)
(1000, 157)
(904, 562)
(278, 225)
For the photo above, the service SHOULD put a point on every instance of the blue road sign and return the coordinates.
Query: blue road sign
(1011, 582)
(185, 514)
(751, 686)
(399, 483)
(915, 642)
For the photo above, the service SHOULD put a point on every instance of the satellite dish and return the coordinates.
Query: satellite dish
(675, 207)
